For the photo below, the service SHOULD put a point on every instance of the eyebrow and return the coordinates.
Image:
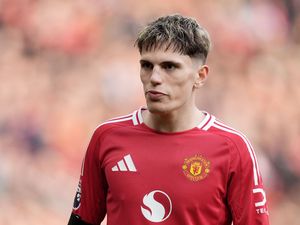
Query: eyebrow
(144, 61)
(163, 62)
(177, 64)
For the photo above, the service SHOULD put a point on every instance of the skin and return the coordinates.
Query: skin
(170, 80)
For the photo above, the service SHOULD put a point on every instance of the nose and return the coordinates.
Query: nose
(156, 77)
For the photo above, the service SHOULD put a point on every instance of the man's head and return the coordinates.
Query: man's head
(173, 51)
(182, 34)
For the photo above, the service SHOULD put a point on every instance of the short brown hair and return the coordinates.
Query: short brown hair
(183, 34)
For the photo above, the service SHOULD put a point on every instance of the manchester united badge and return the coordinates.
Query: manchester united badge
(196, 168)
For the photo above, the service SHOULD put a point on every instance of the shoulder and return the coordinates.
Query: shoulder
(125, 121)
(239, 144)
(242, 152)
(236, 137)
(241, 147)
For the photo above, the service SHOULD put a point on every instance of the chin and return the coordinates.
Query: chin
(158, 107)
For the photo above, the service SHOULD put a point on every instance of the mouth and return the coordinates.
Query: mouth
(154, 95)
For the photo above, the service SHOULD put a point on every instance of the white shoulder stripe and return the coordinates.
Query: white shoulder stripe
(82, 165)
(121, 117)
(140, 115)
(210, 123)
(131, 116)
(251, 147)
(134, 118)
(114, 121)
(204, 121)
(250, 150)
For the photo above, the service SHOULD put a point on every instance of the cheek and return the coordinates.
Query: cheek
(142, 78)
(184, 84)
(144, 81)
(180, 91)
(183, 89)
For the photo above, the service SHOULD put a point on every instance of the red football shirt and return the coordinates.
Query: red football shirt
(207, 175)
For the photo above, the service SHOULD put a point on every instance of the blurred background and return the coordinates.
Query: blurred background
(68, 65)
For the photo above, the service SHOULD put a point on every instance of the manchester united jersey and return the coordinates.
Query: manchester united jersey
(207, 175)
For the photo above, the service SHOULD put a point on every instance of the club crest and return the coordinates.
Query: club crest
(196, 168)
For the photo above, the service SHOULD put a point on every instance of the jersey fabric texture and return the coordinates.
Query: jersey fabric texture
(207, 175)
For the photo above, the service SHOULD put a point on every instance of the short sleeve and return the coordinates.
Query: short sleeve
(246, 195)
(90, 199)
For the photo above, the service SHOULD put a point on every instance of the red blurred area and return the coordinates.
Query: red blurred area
(66, 66)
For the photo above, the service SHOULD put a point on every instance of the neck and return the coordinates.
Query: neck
(174, 121)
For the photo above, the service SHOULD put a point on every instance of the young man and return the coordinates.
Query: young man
(170, 163)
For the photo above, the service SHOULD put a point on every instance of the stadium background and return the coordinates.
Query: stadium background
(68, 65)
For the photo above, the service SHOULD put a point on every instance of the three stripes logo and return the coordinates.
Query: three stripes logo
(126, 164)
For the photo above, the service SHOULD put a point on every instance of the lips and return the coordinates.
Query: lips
(155, 95)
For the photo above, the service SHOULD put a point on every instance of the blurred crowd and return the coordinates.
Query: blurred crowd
(68, 65)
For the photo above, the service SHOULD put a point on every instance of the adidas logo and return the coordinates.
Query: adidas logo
(126, 164)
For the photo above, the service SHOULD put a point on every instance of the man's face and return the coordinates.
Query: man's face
(168, 79)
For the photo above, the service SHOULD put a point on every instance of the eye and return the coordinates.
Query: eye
(146, 65)
(169, 66)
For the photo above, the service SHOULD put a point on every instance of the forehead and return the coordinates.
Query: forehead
(158, 55)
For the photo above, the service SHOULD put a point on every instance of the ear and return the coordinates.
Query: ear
(201, 76)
